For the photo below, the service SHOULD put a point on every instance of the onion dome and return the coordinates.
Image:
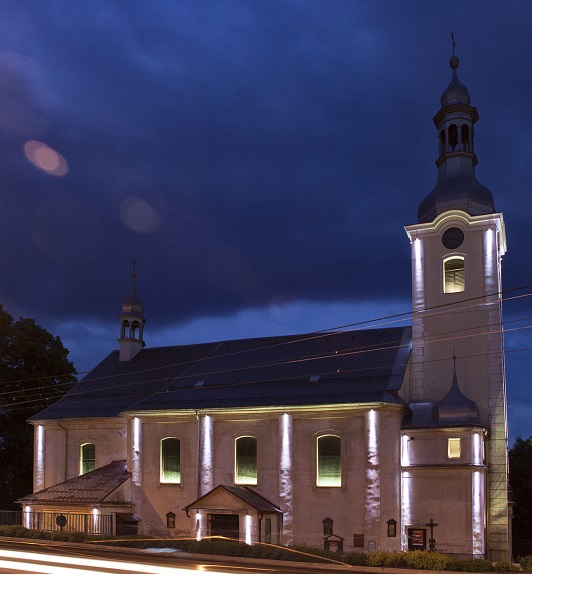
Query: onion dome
(455, 409)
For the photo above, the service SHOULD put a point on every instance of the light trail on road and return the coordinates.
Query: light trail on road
(47, 563)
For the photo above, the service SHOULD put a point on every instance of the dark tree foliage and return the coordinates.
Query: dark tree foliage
(34, 372)
(520, 456)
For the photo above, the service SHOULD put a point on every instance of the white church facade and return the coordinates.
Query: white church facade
(364, 439)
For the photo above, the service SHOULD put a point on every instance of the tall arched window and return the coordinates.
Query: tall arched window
(245, 461)
(170, 460)
(87, 458)
(453, 137)
(329, 472)
(454, 274)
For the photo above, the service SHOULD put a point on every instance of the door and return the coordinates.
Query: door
(226, 525)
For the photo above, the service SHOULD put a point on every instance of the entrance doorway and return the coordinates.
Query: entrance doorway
(226, 525)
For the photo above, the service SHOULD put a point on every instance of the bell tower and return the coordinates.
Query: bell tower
(132, 323)
(457, 247)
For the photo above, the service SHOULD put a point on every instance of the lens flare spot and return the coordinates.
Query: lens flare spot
(139, 215)
(46, 158)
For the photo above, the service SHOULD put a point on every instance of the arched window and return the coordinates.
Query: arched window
(135, 331)
(245, 461)
(453, 138)
(124, 329)
(87, 458)
(170, 460)
(329, 473)
(454, 274)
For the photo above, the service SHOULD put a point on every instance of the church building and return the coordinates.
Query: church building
(365, 439)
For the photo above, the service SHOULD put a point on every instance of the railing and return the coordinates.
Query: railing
(153, 532)
(10, 517)
(93, 524)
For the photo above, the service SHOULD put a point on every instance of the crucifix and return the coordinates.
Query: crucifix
(453, 39)
(431, 524)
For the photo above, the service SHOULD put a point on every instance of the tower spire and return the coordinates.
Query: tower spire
(132, 322)
(457, 187)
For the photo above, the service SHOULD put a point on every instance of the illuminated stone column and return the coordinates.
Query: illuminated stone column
(372, 492)
(137, 452)
(206, 455)
(286, 477)
(39, 462)
(497, 452)
(418, 307)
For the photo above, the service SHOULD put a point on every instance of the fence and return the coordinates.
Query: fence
(9, 517)
(93, 524)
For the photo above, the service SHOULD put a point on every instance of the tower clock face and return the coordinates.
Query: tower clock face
(453, 238)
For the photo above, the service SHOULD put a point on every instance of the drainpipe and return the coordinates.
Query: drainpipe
(260, 517)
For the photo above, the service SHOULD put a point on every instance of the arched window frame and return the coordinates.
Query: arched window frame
(246, 464)
(87, 458)
(170, 460)
(329, 466)
(454, 278)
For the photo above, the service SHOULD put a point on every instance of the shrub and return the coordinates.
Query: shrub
(506, 567)
(526, 564)
(434, 561)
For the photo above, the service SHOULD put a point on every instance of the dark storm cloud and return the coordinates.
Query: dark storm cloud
(245, 152)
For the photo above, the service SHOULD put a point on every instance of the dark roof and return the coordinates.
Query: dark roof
(316, 368)
(247, 495)
(90, 488)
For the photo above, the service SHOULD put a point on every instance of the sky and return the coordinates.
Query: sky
(258, 159)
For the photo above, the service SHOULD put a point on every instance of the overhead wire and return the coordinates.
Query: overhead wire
(326, 333)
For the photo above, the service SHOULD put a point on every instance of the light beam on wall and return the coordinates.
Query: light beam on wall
(207, 457)
(40, 458)
(248, 529)
(136, 449)
(286, 482)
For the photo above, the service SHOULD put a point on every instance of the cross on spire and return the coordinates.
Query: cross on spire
(453, 39)
(135, 263)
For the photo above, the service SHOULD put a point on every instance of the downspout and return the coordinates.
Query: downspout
(66, 446)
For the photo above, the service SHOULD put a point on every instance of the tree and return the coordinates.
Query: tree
(34, 372)
(520, 457)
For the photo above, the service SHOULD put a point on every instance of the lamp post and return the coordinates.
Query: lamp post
(431, 524)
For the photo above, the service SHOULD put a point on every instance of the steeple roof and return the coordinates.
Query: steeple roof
(456, 92)
(457, 186)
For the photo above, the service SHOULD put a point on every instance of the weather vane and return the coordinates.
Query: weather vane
(453, 39)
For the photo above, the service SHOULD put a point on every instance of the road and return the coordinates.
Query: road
(18, 555)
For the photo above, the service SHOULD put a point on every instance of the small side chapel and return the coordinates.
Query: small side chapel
(392, 438)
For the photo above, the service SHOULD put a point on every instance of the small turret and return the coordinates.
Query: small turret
(132, 323)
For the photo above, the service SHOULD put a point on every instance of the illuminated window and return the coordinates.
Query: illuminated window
(245, 466)
(329, 461)
(87, 458)
(454, 275)
(454, 448)
(170, 460)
